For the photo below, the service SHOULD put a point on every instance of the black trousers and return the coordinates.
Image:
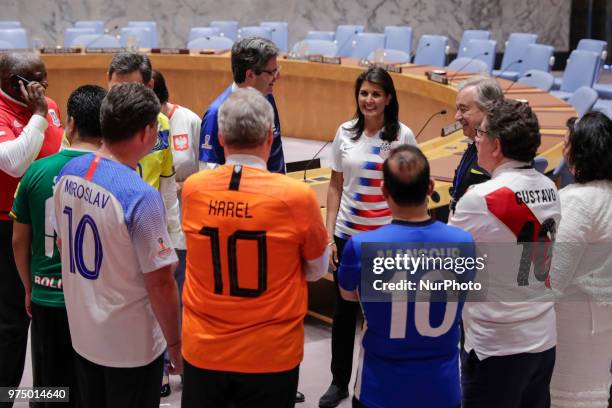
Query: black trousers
(514, 381)
(343, 331)
(52, 353)
(14, 320)
(223, 389)
(111, 387)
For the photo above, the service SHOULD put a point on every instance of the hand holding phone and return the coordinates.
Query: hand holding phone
(33, 94)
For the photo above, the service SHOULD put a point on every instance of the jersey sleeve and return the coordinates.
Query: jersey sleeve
(21, 207)
(17, 152)
(336, 152)
(149, 234)
(314, 232)
(349, 271)
(471, 216)
(209, 143)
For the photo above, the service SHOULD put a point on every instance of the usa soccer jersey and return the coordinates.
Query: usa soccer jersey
(362, 206)
(409, 351)
(212, 152)
(112, 229)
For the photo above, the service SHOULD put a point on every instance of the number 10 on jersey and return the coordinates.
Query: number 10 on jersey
(75, 245)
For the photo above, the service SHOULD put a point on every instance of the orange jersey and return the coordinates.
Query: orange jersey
(245, 295)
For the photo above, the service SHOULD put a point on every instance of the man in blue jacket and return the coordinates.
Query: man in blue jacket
(254, 64)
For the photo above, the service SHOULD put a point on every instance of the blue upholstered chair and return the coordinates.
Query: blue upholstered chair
(280, 33)
(432, 50)
(73, 32)
(469, 35)
(516, 47)
(579, 71)
(344, 37)
(255, 31)
(210, 43)
(398, 38)
(365, 43)
(538, 79)
(228, 28)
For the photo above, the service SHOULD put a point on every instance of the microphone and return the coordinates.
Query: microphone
(466, 64)
(106, 31)
(314, 157)
(348, 38)
(518, 61)
(528, 75)
(442, 112)
(415, 52)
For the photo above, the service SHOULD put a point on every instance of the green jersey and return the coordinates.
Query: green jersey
(33, 205)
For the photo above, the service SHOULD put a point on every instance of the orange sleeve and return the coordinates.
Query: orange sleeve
(309, 220)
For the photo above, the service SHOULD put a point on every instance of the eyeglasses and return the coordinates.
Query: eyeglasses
(275, 72)
(481, 132)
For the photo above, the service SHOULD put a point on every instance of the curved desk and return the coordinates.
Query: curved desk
(314, 98)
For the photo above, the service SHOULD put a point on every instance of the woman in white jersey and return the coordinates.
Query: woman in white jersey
(355, 202)
(581, 268)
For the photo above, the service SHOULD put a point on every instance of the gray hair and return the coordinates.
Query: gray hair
(488, 91)
(245, 118)
(251, 53)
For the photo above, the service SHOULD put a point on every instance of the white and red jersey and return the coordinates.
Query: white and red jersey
(517, 205)
(185, 127)
(362, 206)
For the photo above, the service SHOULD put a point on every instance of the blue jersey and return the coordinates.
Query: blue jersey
(410, 350)
(212, 152)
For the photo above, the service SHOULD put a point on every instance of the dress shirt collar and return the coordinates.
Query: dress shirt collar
(510, 165)
(246, 160)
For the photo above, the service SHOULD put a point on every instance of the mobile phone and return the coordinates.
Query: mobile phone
(15, 82)
(19, 77)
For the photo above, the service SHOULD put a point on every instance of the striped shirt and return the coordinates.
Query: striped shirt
(362, 206)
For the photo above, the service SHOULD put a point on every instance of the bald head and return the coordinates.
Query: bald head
(26, 65)
(406, 176)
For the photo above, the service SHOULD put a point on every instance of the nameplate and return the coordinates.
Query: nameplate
(296, 57)
(104, 50)
(61, 50)
(441, 79)
(452, 128)
(332, 60)
(393, 68)
(172, 51)
(315, 58)
(213, 52)
(12, 50)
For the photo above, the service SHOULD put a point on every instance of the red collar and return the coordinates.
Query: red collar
(19, 108)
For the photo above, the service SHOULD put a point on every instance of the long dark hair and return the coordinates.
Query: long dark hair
(590, 144)
(380, 77)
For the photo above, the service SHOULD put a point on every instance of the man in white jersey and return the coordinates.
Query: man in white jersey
(117, 260)
(509, 350)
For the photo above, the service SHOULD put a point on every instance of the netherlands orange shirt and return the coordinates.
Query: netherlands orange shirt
(248, 232)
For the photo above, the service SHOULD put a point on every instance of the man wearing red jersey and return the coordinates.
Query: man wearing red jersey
(30, 128)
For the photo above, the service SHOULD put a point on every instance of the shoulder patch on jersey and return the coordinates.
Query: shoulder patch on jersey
(54, 117)
(162, 140)
(180, 142)
(163, 249)
(206, 144)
